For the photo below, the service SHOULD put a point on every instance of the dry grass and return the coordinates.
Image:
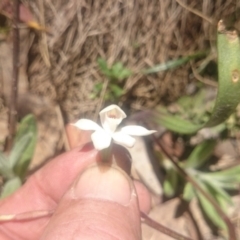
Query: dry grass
(62, 63)
(138, 33)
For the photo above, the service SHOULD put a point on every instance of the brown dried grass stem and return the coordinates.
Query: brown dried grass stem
(14, 84)
(202, 79)
(150, 222)
(230, 227)
(196, 12)
(101, 99)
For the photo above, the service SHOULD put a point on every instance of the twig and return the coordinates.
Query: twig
(14, 85)
(25, 216)
(150, 222)
(196, 12)
(62, 128)
(44, 51)
(231, 230)
(191, 222)
(201, 79)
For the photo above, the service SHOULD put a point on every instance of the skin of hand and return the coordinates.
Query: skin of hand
(89, 199)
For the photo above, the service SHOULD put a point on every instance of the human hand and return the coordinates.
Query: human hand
(90, 200)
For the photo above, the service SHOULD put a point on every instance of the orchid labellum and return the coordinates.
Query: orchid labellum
(111, 117)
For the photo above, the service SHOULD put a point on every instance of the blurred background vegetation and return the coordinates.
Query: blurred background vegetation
(157, 57)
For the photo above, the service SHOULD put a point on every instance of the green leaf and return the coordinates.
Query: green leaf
(103, 67)
(28, 127)
(220, 195)
(119, 72)
(200, 154)
(173, 63)
(224, 181)
(11, 186)
(175, 123)
(168, 189)
(228, 76)
(199, 99)
(116, 72)
(188, 192)
(18, 149)
(125, 73)
(117, 91)
(5, 169)
(96, 90)
(229, 175)
(228, 185)
(170, 182)
(116, 69)
(210, 211)
(208, 208)
(98, 87)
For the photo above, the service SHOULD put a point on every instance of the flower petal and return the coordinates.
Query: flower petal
(101, 139)
(117, 110)
(137, 130)
(123, 139)
(86, 124)
(111, 117)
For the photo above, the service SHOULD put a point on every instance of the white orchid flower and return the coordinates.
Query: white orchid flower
(111, 117)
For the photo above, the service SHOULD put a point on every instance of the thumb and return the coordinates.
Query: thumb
(101, 204)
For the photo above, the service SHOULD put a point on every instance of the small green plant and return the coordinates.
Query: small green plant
(175, 63)
(13, 167)
(215, 183)
(115, 75)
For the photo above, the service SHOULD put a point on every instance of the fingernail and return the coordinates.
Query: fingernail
(104, 183)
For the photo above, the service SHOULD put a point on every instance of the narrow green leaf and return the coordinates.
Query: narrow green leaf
(220, 195)
(173, 63)
(18, 149)
(5, 169)
(188, 192)
(11, 186)
(228, 185)
(208, 208)
(118, 92)
(98, 87)
(229, 175)
(103, 66)
(175, 123)
(119, 72)
(170, 183)
(200, 154)
(125, 73)
(167, 188)
(116, 69)
(210, 211)
(27, 127)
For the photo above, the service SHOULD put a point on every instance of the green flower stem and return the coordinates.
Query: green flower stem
(228, 97)
(106, 154)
